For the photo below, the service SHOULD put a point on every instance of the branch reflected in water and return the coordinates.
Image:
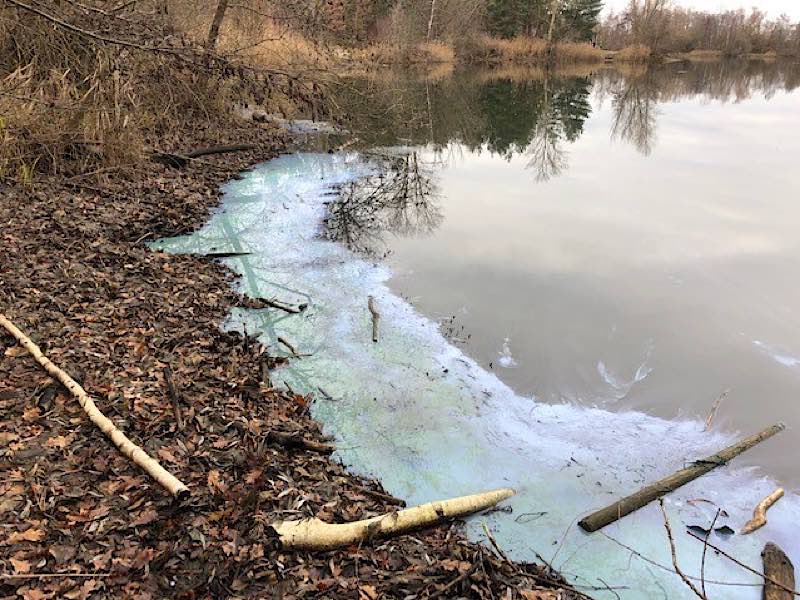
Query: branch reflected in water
(635, 113)
(400, 199)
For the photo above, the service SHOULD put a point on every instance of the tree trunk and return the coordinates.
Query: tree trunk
(213, 31)
(430, 19)
(554, 7)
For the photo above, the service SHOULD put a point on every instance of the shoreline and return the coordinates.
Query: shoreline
(80, 281)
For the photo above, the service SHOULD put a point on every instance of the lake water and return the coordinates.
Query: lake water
(630, 243)
(570, 270)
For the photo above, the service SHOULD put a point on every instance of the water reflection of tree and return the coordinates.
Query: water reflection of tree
(564, 110)
(515, 111)
(532, 116)
(399, 199)
(635, 112)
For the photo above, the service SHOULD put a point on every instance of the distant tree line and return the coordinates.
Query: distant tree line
(658, 25)
(665, 28)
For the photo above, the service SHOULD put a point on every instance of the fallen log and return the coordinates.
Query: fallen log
(778, 574)
(316, 534)
(637, 500)
(760, 512)
(180, 160)
(127, 447)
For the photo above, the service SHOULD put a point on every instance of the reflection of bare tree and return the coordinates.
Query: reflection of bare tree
(547, 155)
(400, 199)
(635, 114)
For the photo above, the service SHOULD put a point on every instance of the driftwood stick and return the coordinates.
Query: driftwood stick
(316, 534)
(375, 317)
(778, 574)
(760, 512)
(714, 408)
(226, 254)
(173, 395)
(637, 500)
(127, 447)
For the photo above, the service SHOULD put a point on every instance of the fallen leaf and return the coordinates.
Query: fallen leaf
(14, 351)
(20, 566)
(215, 481)
(59, 441)
(62, 553)
(145, 517)
(82, 592)
(29, 535)
(538, 595)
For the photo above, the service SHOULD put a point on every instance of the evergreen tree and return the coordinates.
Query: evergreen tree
(581, 17)
(508, 18)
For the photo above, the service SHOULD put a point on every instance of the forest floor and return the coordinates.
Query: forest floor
(78, 519)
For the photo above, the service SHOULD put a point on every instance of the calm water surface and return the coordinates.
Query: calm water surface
(625, 242)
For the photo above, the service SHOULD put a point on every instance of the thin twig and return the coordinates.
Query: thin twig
(495, 545)
(456, 581)
(705, 548)
(686, 580)
(288, 345)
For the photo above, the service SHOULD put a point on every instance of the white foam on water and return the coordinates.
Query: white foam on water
(427, 420)
(507, 359)
(787, 360)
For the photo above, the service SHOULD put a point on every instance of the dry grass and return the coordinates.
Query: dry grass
(633, 54)
(423, 53)
(72, 103)
(702, 55)
(527, 50)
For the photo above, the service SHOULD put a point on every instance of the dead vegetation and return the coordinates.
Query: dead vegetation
(86, 87)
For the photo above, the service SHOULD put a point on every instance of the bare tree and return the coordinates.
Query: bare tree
(213, 31)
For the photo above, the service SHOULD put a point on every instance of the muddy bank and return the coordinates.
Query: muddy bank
(78, 278)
